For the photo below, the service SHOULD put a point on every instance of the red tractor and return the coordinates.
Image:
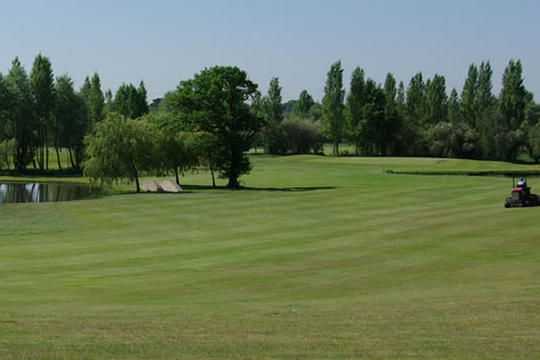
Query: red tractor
(521, 195)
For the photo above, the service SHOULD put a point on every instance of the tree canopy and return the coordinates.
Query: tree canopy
(120, 148)
(217, 101)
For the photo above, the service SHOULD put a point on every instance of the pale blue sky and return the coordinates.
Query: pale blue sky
(163, 42)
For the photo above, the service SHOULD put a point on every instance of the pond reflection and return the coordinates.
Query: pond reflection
(42, 192)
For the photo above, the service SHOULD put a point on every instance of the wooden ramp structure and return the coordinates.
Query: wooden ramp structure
(161, 186)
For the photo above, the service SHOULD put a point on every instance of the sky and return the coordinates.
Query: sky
(165, 41)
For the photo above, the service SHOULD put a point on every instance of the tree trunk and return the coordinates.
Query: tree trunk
(137, 184)
(211, 170)
(42, 150)
(233, 183)
(45, 146)
(71, 159)
(15, 159)
(177, 175)
(136, 176)
(39, 148)
(213, 177)
(58, 158)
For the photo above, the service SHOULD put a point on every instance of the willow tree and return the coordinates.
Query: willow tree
(120, 148)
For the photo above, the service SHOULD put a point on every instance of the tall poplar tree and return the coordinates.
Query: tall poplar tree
(436, 101)
(401, 101)
(130, 101)
(142, 100)
(274, 103)
(71, 120)
(374, 129)
(390, 89)
(454, 108)
(485, 111)
(416, 100)
(413, 133)
(21, 114)
(94, 98)
(6, 107)
(42, 82)
(513, 102)
(392, 117)
(355, 106)
(333, 107)
(513, 98)
(469, 97)
(305, 103)
(109, 98)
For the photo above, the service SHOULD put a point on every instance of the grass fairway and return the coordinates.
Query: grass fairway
(323, 258)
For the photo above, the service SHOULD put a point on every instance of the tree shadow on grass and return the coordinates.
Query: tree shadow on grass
(263, 189)
(194, 189)
(128, 192)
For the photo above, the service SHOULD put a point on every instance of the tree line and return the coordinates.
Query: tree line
(40, 112)
(207, 121)
(214, 119)
(422, 118)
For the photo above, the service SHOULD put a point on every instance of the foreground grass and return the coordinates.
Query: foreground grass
(322, 258)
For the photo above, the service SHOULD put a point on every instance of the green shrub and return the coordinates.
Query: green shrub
(294, 136)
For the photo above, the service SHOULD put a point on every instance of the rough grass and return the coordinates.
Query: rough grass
(322, 258)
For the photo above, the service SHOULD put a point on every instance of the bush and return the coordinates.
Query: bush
(452, 140)
(294, 136)
(275, 141)
(534, 143)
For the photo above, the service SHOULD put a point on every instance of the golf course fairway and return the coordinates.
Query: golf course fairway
(318, 258)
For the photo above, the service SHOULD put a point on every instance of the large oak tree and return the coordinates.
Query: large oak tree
(217, 101)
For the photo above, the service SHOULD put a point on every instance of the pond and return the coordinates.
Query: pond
(42, 192)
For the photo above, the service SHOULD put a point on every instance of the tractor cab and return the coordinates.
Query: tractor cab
(521, 195)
